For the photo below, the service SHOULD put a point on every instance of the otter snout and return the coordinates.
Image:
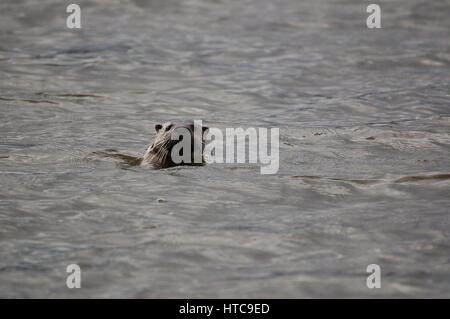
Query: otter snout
(176, 144)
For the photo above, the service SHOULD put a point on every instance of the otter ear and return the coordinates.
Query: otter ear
(158, 127)
(204, 129)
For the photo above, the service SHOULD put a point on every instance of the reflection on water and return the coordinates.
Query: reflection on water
(125, 160)
(364, 118)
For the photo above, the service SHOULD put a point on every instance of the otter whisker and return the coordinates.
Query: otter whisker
(158, 154)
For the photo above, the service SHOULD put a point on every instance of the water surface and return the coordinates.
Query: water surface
(364, 119)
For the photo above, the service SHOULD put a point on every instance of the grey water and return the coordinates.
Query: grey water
(364, 177)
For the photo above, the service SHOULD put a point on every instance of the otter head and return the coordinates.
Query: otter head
(169, 136)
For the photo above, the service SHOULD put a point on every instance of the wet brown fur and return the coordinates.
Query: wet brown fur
(158, 154)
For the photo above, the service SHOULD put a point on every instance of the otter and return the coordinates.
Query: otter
(158, 154)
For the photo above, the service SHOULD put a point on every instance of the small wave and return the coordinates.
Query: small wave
(418, 178)
(69, 95)
(356, 181)
(28, 100)
(404, 179)
(127, 160)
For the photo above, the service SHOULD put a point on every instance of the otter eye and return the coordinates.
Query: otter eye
(168, 127)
